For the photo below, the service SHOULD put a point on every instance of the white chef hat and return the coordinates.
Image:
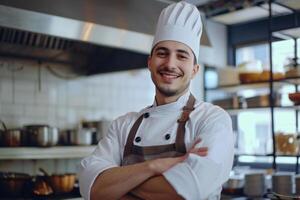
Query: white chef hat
(180, 22)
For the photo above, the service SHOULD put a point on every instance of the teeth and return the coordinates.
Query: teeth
(169, 75)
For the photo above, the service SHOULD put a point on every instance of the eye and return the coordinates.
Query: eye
(182, 57)
(161, 53)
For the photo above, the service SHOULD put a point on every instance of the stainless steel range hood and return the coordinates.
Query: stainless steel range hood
(98, 35)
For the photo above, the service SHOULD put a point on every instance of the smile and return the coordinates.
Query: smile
(169, 75)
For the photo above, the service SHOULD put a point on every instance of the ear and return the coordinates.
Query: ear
(195, 70)
(148, 61)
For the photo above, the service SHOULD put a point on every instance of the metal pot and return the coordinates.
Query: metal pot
(233, 186)
(14, 184)
(81, 136)
(10, 137)
(99, 129)
(42, 135)
(62, 183)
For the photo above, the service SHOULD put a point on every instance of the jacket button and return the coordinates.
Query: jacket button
(146, 115)
(138, 139)
(167, 136)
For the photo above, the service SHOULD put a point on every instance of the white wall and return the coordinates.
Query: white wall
(216, 55)
(63, 103)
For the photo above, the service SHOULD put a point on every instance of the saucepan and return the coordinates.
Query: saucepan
(99, 129)
(60, 183)
(234, 186)
(81, 136)
(42, 135)
(14, 184)
(10, 137)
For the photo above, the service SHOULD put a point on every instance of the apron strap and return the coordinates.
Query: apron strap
(133, 130)
(180, 144)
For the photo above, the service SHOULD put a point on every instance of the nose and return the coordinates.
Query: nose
(170, 61)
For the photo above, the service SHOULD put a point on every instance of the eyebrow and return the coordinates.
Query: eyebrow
(177, 50)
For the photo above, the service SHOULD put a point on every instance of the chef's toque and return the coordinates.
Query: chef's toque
(180, 22)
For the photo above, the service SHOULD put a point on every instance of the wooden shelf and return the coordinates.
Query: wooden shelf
(248, 86)
(38, 153)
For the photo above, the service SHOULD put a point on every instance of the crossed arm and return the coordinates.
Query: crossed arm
(143, 180)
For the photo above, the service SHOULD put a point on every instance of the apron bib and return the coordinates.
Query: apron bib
(136, 154)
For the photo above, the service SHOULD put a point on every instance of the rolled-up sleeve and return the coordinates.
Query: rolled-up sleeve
(202, 177)
(105, 156)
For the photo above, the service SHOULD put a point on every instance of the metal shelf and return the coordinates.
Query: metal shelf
(39, 153)
(240, 110)
(248, 86)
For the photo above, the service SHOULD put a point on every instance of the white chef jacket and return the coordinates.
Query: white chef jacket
(194, 179)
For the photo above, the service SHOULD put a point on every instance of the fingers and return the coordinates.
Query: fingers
(197, 141)
(202, 151)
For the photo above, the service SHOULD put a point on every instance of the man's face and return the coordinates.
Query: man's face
(172, 67)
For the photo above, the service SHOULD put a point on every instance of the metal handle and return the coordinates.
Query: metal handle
(3, 125)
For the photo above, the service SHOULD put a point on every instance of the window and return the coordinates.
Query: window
(254, 127)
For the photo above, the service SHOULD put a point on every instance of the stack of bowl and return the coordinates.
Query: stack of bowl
(297, 182)
(255, 185)
(282, 183)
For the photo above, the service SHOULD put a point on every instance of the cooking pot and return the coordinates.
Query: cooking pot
(41, 186)
(62, 183)
(42, 135)
(233, 186)
(81, 136)
(10, 137)
(14, 184)
(99, 129)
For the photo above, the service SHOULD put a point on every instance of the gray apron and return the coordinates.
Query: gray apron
(136, 154)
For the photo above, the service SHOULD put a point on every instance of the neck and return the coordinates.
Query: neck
(162, 99)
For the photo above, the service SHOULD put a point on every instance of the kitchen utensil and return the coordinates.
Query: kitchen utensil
(249, 77)
(262, 101)
(254, 185)
(229, 103)
(233, 186)
(297, 183)
(295, 97)
(42, 135)
(81, 136)
(282, 183)
(10, 137)
(286, 144)
(14, 184)
(228, 76)
(99, 129)
(62, 183)
(41, 186)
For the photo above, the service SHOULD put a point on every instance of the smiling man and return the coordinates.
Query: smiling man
(177, 148)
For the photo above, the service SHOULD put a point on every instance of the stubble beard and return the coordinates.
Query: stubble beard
(168, 92)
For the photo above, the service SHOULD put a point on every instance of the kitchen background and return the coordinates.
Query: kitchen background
(32, 97)
(236, 42)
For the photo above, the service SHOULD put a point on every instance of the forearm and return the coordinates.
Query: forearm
(117, 182)
(156, 188)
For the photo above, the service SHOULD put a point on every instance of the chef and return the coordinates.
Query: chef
(177, 148)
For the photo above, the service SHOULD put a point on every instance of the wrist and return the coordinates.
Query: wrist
(151, 167)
